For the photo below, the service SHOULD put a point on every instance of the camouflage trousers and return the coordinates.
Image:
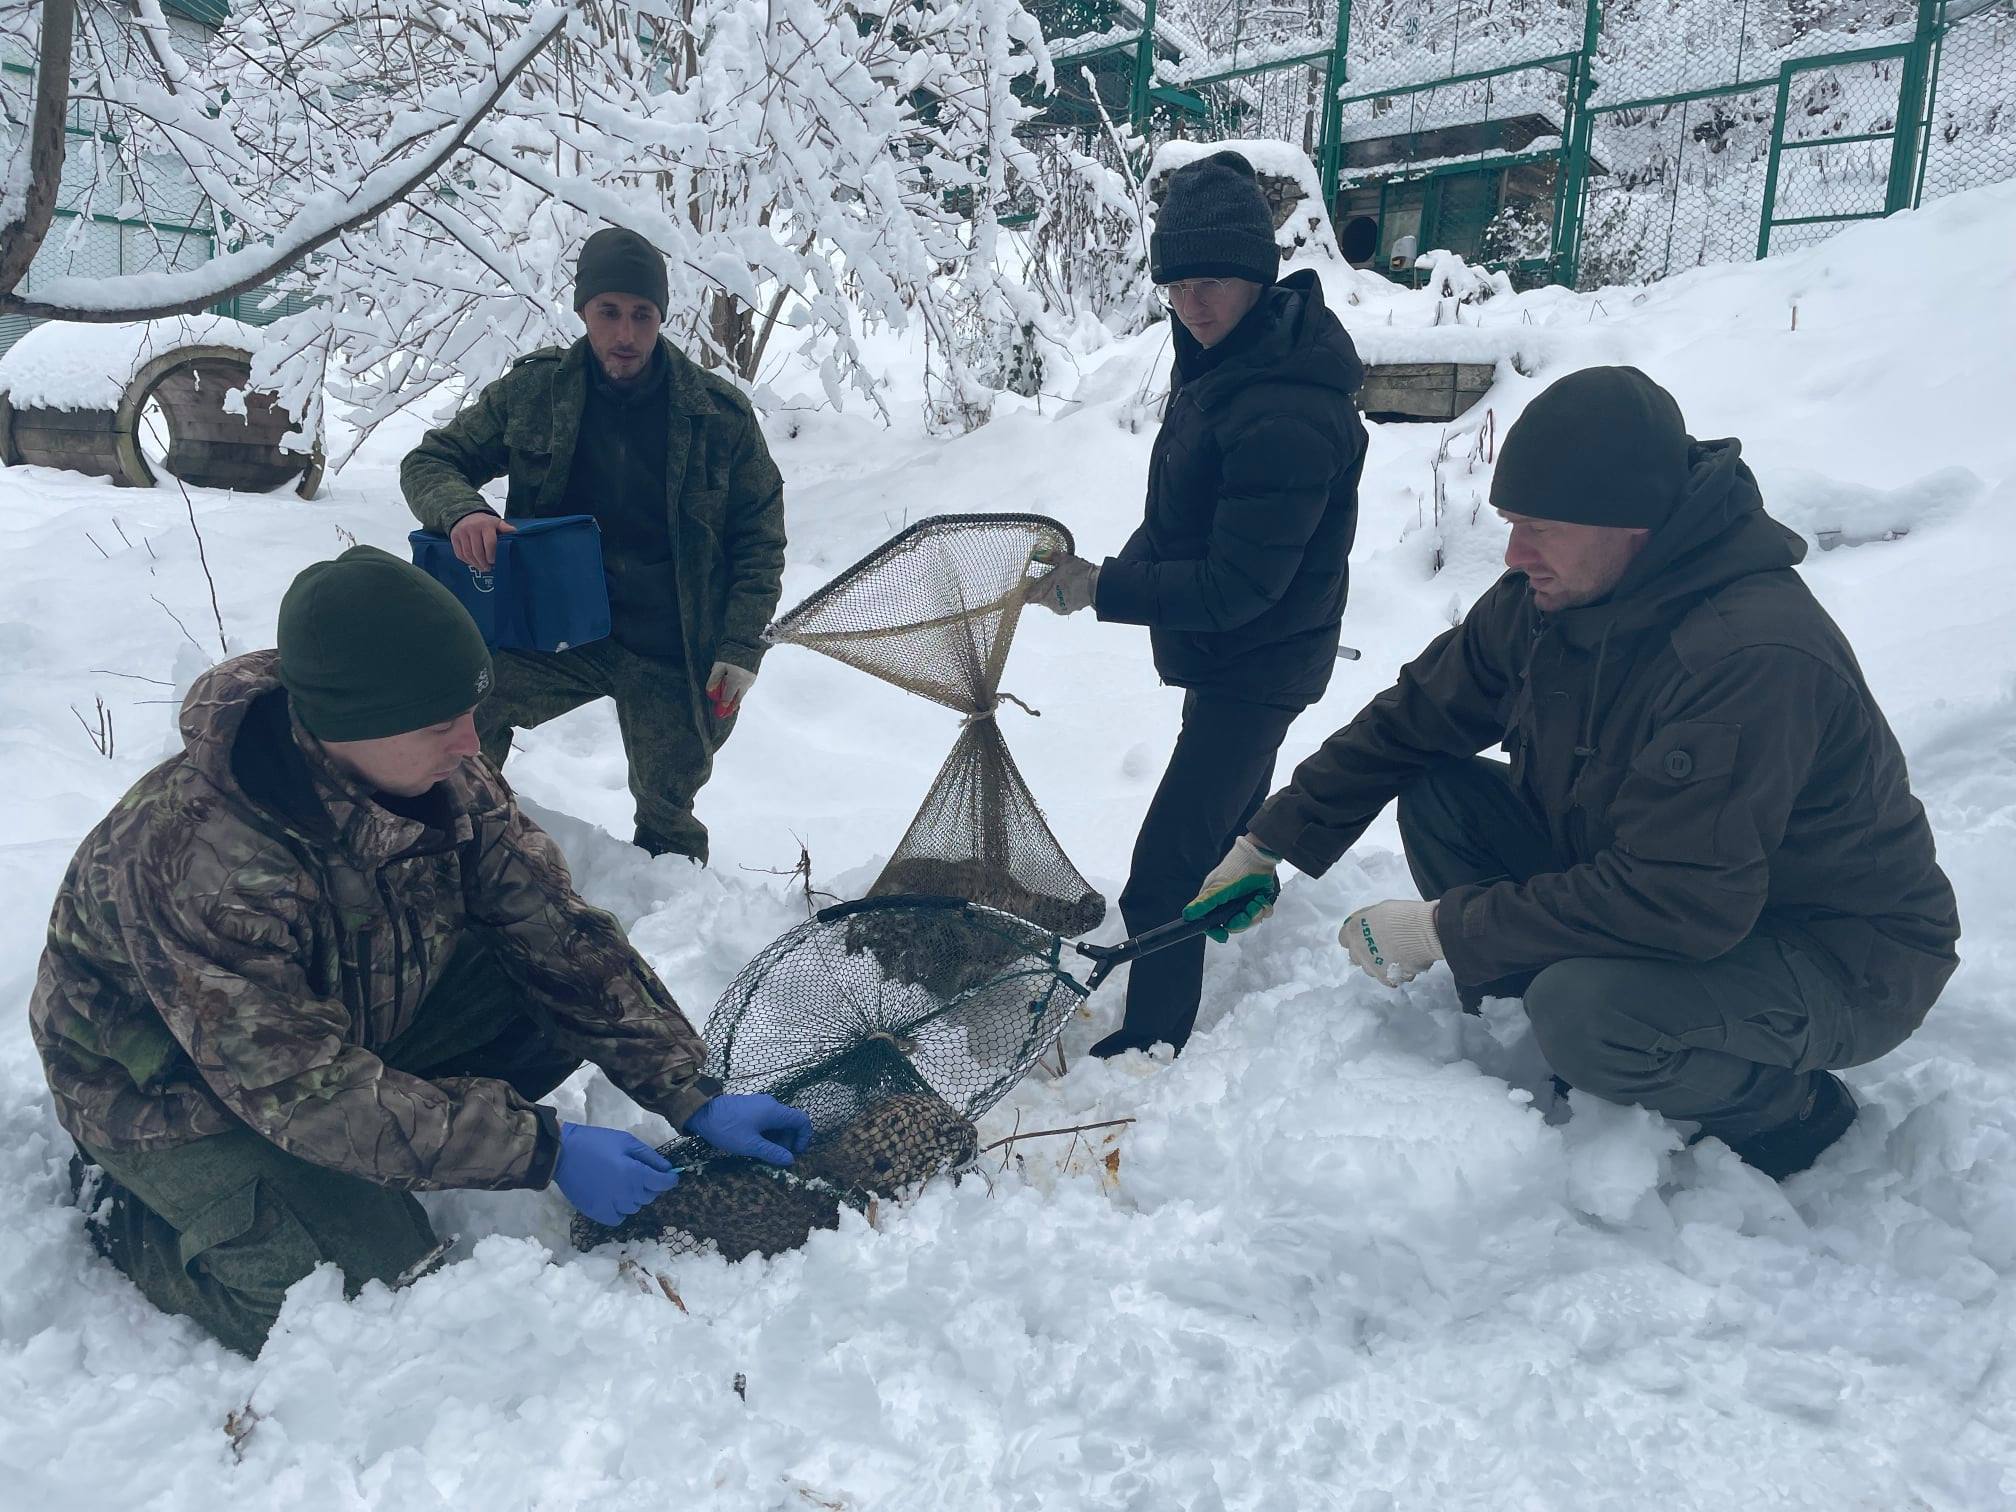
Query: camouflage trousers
(670, 757)
(219, 1228)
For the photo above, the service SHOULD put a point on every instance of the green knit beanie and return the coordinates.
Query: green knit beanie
(372, 646)
(616, 261)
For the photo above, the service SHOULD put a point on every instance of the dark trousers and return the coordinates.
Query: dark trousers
(1733, 1043)
(1218, 776)
(219, 1228)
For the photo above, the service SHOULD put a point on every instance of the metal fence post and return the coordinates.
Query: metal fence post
(1913, 111)
(1139, 100)
(1334, 80)
(1574, 170)
(1770, 208)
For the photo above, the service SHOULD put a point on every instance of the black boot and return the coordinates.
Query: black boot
(1792, 1147)
(655, 844)
(1121, 1040)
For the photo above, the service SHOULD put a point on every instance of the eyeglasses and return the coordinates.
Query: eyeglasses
(1206, 289)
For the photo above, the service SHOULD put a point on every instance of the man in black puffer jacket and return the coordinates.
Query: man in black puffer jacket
(1239, 569)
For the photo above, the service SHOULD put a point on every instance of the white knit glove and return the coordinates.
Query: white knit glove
(1071, 584)
(1392, 942)
(726, 684)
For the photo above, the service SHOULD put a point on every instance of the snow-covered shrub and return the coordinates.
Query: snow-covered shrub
(823, 164)
(1089, 240)
(804, 163)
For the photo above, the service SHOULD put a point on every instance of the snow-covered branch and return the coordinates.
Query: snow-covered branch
(420, 140)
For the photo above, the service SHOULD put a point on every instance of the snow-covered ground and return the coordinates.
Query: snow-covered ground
(1349, 1255)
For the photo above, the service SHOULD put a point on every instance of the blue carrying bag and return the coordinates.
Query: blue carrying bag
(545, 592)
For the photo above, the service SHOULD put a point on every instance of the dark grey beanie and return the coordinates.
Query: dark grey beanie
(616, 261)
(1603, 446)
(1214, 223)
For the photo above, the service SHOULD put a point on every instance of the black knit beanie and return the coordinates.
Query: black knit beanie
(616, 261)
(1214, 223)
(372, 646)
(1603, 446)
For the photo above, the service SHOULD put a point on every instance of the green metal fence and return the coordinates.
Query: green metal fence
(1585, 141)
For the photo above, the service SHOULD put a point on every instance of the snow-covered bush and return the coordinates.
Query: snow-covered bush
(1089, 240)
(815, 163)
(805, 163)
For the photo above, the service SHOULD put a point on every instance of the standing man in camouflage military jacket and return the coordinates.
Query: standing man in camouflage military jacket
(671, 463)
(320, 961)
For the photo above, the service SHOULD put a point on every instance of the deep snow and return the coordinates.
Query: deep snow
(1349, 1255)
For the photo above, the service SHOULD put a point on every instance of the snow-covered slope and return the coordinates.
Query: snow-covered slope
(1349, 1255)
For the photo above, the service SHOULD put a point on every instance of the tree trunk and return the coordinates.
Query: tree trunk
(21, 238)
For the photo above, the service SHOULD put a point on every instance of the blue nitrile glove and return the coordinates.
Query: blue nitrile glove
(608, 1174)
(752, 1123)
(1246, 872)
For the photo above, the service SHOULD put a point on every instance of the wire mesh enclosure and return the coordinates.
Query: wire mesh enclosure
(894, 1024)
(1594, 141)
(933, 610)
(1970, 132)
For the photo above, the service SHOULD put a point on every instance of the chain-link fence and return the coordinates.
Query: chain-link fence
(1594, 141)
(1970, 130)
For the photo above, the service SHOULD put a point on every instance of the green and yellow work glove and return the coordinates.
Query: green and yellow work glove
(1246, 872)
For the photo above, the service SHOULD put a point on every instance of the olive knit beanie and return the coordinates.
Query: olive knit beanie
(616, 261)
(372, 646)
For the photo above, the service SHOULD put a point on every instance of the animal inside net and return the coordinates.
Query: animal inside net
(894, 1024)
(933, 610)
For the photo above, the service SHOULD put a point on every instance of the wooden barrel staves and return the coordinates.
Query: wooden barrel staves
(207, 447)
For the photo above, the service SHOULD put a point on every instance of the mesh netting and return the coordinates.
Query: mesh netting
(933, 610)
(979, 836)
(894, 1023)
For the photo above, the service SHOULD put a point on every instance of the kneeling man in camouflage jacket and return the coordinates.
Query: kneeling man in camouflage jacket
(319, 961)
(1702, 867)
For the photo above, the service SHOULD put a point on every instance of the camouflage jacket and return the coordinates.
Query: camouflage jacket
(218, 959)
(724, 500)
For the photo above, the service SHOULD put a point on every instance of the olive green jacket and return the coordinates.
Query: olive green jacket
(724, 500)
(1704, 749)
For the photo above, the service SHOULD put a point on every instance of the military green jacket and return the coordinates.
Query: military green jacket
(724, 500)
(228, 951)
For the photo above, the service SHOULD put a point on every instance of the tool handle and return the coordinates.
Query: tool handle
(1105, 957)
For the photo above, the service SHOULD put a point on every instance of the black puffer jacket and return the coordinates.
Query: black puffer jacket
(1240, 568)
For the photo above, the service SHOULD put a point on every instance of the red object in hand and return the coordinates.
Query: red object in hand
(722, 700)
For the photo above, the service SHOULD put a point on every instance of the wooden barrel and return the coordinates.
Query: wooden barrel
(208, 448)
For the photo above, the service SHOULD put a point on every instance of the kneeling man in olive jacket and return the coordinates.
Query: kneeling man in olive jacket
(1702, 867)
